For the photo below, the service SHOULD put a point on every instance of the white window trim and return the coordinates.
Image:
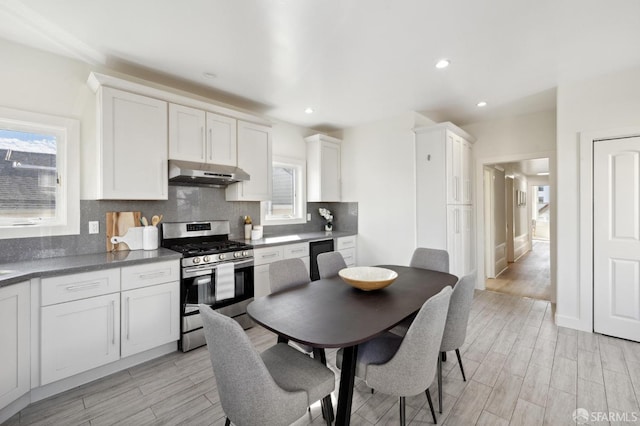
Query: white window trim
(301, 196)
(68, 164)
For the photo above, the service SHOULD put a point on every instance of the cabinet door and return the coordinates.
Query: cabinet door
(454, 168)
(221, 140)
(454, 240)
(78, 336)
(186, 133)
(15, 348)
(467, 240)
(330, 171)
(150, 317)
(133, 135)
(254, 156)
(466, 172)
(261, 285)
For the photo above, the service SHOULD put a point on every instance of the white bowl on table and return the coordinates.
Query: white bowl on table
(368, 278)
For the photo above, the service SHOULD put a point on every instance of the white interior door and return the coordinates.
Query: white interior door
(616, 237)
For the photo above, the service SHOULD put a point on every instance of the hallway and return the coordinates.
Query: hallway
(528, 276)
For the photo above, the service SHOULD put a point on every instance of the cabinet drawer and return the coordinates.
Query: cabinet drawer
(346, 242)
(147, 274)
(66, 288)
(349, 256)
(267, 255)
(296, 250)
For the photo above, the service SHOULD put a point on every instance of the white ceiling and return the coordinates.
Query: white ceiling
(353, 61)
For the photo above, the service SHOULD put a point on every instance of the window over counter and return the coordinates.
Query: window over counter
(39, 175)
(288, 201)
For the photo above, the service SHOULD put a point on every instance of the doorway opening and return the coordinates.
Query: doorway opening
(517, 227)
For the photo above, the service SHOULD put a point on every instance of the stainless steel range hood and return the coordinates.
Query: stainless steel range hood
(202, 174)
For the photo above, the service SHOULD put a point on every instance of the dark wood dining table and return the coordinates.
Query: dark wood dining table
(329, 313)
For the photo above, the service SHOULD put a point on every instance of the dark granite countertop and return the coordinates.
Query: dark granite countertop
(12, 273)
(278, 240)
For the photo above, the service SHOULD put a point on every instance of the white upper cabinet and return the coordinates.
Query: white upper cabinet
(254, 157)
(132, 152)
(459, 173)
(323, 168)
(196, 135)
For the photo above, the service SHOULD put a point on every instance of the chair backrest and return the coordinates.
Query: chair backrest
(287, 273)
(427, 258)
(329, 263)
(455, 330)
(248, 393)
(413, 367)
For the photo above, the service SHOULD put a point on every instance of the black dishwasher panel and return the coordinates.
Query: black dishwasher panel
(315, 248)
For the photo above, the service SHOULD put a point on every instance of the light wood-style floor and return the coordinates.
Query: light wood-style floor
(529, 276)
(521, 370)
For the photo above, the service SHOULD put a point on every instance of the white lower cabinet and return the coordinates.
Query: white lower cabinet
(94, 318)
(347, 248)
(149, 317)
(78, 336)
(15, 346)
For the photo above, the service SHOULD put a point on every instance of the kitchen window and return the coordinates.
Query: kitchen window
(39, 175)
(288, 201)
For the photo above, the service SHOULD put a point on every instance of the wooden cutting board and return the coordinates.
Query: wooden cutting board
(118, 223)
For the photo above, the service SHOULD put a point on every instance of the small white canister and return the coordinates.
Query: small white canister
(150, 238)
(256, 232)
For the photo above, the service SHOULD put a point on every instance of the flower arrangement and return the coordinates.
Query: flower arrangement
(326, 214)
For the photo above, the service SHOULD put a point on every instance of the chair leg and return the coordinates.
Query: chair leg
(325, 411)
(320, 355)
(460, 362)
(443, 355)
(402, 414)
(440, 384)
(433, 413)
(227, 422)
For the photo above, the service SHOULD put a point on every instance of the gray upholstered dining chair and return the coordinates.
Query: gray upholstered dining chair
(455, 329)
(428, 258)
(405, 366)
(274, 387)
(424, 258)
(285, 274)
(330, 263)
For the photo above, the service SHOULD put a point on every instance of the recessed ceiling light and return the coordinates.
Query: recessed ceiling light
(308, 110)
(482, 104)
(442, 63)
(209, 75)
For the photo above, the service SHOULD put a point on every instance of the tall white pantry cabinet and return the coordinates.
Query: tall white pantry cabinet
(444, 193)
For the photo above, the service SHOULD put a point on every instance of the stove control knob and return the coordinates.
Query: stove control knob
(245, 253)
(237, 254)
(222, 256)
(196, 260)
(206, 259)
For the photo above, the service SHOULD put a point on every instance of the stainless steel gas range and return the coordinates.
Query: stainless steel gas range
(215, 271)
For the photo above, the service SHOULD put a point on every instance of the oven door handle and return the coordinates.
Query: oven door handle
(208, 269)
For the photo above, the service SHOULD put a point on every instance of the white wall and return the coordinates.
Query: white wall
(288, 140)
(505, 140)
(378, 171)
(602, 104)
